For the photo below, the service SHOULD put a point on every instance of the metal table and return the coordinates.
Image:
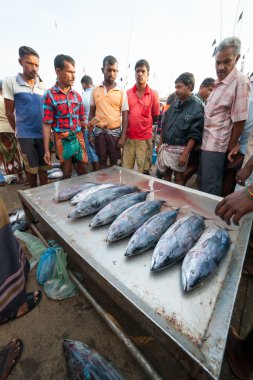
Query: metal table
(194, 323)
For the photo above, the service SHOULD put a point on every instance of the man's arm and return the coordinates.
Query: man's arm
(235, 134)
(46, 137)
(185, 154)
(122, 139)
(9, 109)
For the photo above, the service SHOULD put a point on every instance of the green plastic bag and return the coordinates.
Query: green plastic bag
(71, 147)
(60, 286)
(34, 245)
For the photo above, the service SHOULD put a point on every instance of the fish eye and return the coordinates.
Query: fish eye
(193, 273)
(132, 241)
(161, 253)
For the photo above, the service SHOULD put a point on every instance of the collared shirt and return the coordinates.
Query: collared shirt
(226, 105)
(63, 111)
(141, 112)
(28, 105)
(248, 127)
(201, 100)
(86, 101)
(109, 105)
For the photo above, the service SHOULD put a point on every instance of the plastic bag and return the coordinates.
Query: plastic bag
(36, 248)
(46, 265)
(60, 286)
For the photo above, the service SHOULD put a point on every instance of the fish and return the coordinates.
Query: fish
(16, 215)
(150, 232)
(18, 220)
(95, 201)
(203, 259)
(71, 191)
(132, 218)
(176, 241)
(54, 173)
(86, 192)
(84, 363)
(111, 211)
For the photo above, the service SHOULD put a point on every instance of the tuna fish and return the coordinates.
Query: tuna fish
(84, 363)
(132, 218)
(150, 232)
(111, 211)
(98, 199)
(203, 259)
(86, 192)
(177, 241)
(71, 191)
(55, 173)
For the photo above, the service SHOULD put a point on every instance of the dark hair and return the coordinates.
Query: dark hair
(207, 82)
(142, 62)
(59, 61)
(109, 59)
(26, 50)
(86, 80)
(187, 79)
(171, 98)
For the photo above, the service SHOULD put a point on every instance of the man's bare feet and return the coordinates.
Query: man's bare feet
(9, 357)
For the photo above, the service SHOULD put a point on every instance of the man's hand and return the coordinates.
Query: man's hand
(47, 158)
(234, 206)
(242, 175)
(121, 141)
(183, 159)
(233, 152)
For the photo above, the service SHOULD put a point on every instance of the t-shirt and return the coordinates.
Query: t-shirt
(141, 112)
(28, 105)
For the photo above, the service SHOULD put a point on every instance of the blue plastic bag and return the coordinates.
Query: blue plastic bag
(46, 266)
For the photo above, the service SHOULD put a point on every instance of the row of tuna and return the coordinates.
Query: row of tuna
(131, 214)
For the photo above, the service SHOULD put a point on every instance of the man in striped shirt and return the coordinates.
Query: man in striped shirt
(225, 115)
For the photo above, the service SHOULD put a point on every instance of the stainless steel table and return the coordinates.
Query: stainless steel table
(194, 323)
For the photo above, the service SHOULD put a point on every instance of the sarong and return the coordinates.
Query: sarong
(14, 268)
(10, 156)
(168, 157)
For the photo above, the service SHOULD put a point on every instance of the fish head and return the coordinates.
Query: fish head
(115, 233)
(163, 254)
(96, 221)
(135, 245)
(189, 279)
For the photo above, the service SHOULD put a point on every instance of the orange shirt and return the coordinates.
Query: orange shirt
(109, 106)
(141, 112)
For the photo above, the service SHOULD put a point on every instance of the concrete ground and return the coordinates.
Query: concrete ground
(44, 329)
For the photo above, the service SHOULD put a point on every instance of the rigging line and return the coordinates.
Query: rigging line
(129, 41)
(236, 15)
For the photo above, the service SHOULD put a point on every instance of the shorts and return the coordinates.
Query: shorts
(139, 151)
(32, 151)
(59, 136)
(168, 157)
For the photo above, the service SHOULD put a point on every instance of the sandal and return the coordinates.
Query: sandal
(31, 303)
(5, 366)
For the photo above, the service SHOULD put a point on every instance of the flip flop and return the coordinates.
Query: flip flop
(31, 303)
(4, 353)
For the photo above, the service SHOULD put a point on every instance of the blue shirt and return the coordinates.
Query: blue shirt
(28, 105)
(86, 102)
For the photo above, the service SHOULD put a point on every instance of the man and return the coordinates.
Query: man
(238, 351)
(144, 109)
(182, 127)
(205, 89)
(23, 103)
(225, 115)
(87, 85)
(64, 113)
(109, 105)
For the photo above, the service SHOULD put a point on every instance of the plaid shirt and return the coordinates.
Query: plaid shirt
(226, 105)
(63, 111)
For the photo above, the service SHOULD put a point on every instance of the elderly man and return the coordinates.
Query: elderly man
(225, 115)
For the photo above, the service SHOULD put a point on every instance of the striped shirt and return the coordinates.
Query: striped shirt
(226, 105)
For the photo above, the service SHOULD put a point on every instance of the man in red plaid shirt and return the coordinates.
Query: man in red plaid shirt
(64, 113)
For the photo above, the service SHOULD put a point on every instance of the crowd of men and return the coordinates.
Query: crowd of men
(203, 133)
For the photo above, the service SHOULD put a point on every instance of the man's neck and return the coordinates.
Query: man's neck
(141, 87)
(109, 86)
(29, 81)
(63, 87)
